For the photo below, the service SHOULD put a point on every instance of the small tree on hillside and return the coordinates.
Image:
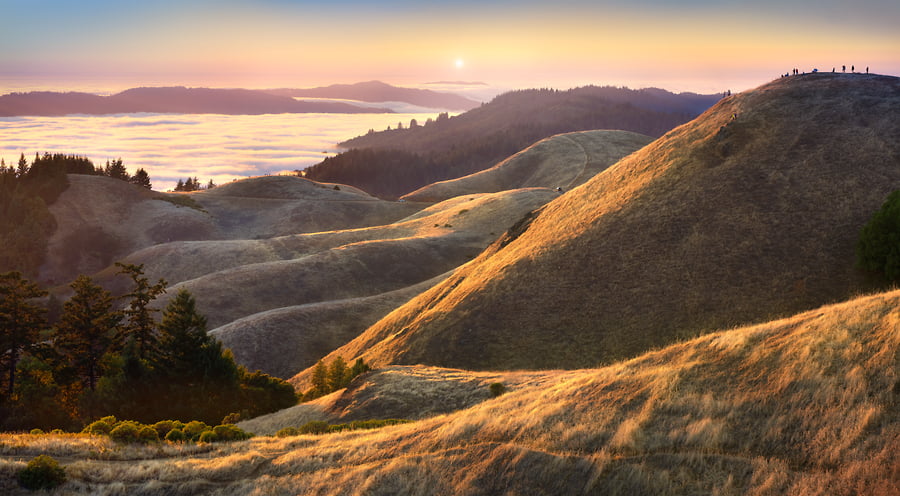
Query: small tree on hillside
(878, 248)
(197, 372)
(20, 321)
(319, 380)
(140, 324)
(142, 179)
(338, 374)
(116, 170)
(87, 329)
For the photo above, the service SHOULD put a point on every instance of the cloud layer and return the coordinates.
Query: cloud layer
(171, 147)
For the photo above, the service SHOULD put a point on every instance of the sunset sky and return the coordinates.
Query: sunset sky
(699, 45)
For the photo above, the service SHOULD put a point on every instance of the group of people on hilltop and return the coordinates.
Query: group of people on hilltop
(796, 72)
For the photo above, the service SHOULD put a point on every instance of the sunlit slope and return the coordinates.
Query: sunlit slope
(100, 220)
(282, 303)
(748, 212)
(362, 262)
(561, 161)
(287, 340)
(411, 392)
(807, 405)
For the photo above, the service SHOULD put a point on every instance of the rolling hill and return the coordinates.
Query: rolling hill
(547, 163)
(101, 220)
(309, 280)
(395, 162)
(805, 405)
(749, 212)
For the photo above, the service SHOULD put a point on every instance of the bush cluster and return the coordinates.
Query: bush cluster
(43, 472)
(173, 431)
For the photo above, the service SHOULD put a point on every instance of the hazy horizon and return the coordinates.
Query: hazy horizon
(697, 45)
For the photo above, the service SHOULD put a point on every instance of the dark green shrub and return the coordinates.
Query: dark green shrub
(176, 436)
(127, 431)
(230, 432)
(98, 427)
(287, 432)
(194, 429)
(314, 427)
(208, 437)
(163, 427)
(110, 419)
(878, 248)
(57, 431)
(43, 472)
(147, 434)
(36, 432)
(497, 389)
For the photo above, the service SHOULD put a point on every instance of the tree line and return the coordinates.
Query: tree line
(26, 192)
(98, 360)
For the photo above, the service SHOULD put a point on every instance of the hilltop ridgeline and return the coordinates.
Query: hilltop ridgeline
(377, 91)
(748, 212)
(395, 162)
(178, 99)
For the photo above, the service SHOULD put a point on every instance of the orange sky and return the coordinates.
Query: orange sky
(695, 45)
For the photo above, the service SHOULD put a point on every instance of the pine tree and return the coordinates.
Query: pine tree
(197, 373)
(337, 374)
(22, 169)
(140, 324)
(319, 380)
(87, 329)
(142, 179)
(116, 170)
(20, 321)
(179, 186)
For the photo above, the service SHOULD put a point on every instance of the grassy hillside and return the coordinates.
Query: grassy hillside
(561, 161)
(101, 220)
(392, 163)
(302, 295)
(806, 405)
(748, 212)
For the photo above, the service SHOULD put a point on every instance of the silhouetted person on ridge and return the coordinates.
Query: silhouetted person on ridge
(843, 68)
(852, 68)
(867, 69)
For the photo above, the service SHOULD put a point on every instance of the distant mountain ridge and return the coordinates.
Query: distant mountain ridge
(395, 162)
(377, 91)
(175, 99)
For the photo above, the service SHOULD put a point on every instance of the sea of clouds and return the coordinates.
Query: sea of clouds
(208, 146)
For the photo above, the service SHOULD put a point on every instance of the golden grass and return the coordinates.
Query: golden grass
(566, 160)
(807, 405)
(718, 223)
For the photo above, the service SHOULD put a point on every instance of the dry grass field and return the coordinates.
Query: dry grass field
(749, 212)
(807, 405)
(101, 220)
(562, 161)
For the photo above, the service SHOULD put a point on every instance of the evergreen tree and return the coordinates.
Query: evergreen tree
(142, 179)
(319, 380)
(179, 186)
(197, 373)
(140, 324)
(87, 329)
(22, 168)
(116, 170)
(21, 321)
(338, 374)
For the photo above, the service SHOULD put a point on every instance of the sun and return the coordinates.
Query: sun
(460, 63)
